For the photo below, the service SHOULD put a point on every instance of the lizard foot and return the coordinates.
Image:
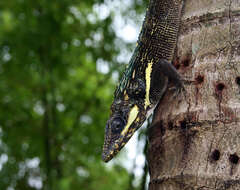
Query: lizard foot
(178, 91)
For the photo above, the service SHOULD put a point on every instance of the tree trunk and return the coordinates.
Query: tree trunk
(194, 142)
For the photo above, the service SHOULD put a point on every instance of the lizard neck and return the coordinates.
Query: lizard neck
(159, 32)
(157, 39)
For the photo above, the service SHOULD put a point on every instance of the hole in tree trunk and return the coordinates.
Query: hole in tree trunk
(238, 81)
(186, 60)
(220, 87)
(233, 158)
(183, 124)
(199, 79)
(170, 125)
(215, 155)
(177, 66)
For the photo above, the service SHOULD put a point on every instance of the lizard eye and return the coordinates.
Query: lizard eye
(117, 125)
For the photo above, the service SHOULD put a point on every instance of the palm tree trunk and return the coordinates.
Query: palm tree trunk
(194, 142)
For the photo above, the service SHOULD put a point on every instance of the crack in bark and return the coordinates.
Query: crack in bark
(210, 149)
(195, 22)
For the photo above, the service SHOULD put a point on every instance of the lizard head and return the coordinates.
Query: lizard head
(126, 117)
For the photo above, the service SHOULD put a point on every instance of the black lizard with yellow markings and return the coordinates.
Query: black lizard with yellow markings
(147, 77)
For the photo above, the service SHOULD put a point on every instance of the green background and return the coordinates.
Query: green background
(59, 65)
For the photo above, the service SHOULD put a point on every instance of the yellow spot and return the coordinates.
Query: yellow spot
(138, 119)
(132, 116)
(126, 97)
(148, 83)
(133, 76)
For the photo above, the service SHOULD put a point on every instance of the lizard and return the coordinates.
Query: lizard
(147, 76)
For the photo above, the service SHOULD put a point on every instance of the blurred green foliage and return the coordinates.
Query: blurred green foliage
(54, 102)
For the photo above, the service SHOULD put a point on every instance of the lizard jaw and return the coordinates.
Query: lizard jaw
(112, 145)
(110, 150)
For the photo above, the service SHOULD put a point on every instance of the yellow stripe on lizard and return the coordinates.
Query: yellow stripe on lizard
(132, 116)
(148, 83)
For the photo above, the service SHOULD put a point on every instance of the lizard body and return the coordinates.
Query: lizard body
(146, 79)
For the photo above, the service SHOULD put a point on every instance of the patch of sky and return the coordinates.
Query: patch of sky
(102, 10)
(102, 66)
(38, 108)
(75, 12)
(76, 42)
(60, 107)
(124, 56)
(21, 169)
(115, 76)
(82, 172)
(35, 181)
(92, 18)
(32, 163)
(10, 188)
(88, 42)
(3, 160)
(86, 119)
(33, 166)
(97, 36)
(6, 56)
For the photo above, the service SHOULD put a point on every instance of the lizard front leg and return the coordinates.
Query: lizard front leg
(163, 73)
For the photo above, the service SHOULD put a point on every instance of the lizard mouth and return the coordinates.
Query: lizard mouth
(109, 153)
(112, 146)
(107, 156)
(109, 144)
(110, 149)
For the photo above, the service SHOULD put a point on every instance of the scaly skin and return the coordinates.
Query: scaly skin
(146, 79)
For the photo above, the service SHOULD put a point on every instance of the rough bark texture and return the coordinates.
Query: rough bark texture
(195, 142)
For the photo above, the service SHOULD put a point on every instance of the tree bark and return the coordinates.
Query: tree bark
(194, 141)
